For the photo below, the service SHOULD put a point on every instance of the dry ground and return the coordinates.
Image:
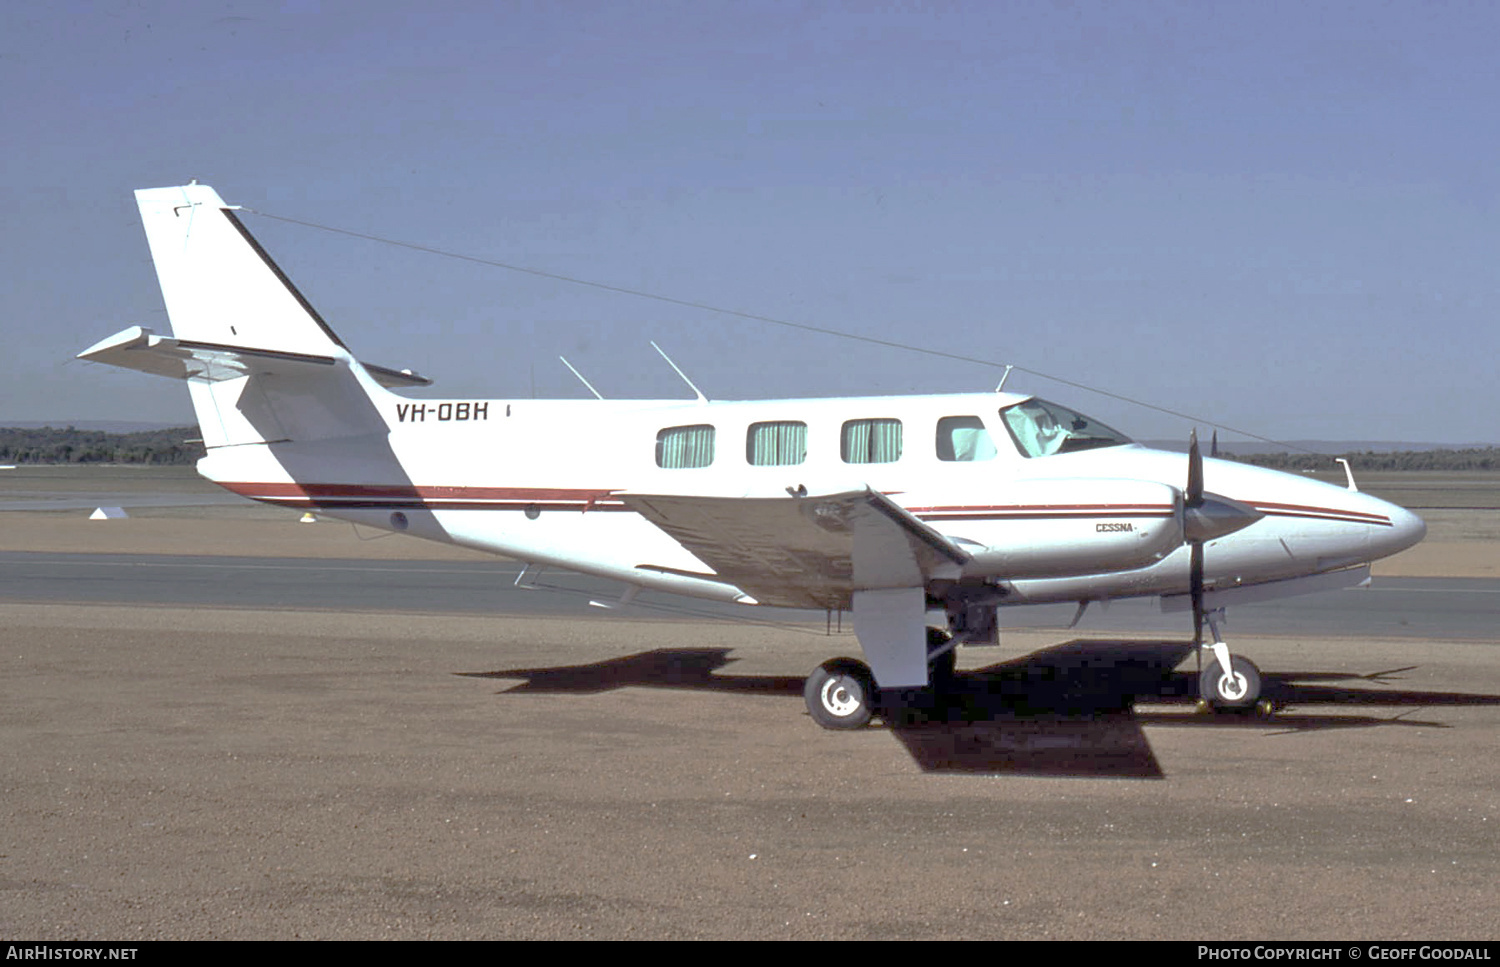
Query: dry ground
(174, 773)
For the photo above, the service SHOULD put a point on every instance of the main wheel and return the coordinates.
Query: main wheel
(1241, 689)
(840, 694)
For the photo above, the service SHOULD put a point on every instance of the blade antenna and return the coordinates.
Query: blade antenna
(696, 391)
(597, 394)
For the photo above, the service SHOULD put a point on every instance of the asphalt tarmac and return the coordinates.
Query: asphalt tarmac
(202, 747)
(1460, 608)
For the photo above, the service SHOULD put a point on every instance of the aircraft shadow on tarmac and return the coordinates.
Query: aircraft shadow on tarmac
(1073, 709)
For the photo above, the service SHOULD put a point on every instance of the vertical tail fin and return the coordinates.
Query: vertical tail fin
(219, 285)
(261, 364)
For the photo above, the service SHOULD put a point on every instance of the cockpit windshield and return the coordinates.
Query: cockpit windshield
(1041, 429)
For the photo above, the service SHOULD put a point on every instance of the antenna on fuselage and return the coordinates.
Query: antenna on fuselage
(1003, 377)
(597, 394)
(696, 391)
(1348, 474)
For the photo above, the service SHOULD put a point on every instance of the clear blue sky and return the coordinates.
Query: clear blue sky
(1281, 217)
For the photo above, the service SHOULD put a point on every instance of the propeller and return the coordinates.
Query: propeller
(1193, 495)
(1192, 500)
(1206, 516)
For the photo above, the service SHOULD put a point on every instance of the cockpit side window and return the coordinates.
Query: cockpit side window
(963, 439)
(1040, 429)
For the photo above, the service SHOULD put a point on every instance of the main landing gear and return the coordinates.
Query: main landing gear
(842, 694)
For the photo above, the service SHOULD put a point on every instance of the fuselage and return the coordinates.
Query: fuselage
(998, 474)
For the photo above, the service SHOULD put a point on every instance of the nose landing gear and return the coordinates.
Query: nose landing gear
(1229, 682)
(1238, 688)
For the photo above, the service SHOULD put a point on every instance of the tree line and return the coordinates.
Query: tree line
(63, 445)
(1478, 458)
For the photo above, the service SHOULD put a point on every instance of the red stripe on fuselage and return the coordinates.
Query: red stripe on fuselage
(561, 498)
(445, 498)
(1320, 513)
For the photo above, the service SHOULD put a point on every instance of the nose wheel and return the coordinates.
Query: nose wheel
(1237, 688)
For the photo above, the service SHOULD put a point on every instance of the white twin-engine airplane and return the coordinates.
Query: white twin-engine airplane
(921, 515)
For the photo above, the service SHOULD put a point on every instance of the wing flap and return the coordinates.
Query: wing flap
(804, 552)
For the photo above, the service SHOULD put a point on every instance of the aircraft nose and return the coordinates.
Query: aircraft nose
(1406, 530)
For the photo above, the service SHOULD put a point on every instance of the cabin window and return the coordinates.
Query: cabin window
(685, 447)
(778, 444)
(1041, 429)
(964, 439)
(871, 441)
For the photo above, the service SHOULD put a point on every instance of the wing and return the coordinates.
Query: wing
(805, 551)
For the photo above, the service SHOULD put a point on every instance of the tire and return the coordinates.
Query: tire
(1242, 690)
(840, 694)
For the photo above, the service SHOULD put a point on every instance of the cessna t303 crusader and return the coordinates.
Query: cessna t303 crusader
(921, 515)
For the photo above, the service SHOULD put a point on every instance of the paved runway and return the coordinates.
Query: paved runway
(268, 748)
(1390, 607)
(88, 501)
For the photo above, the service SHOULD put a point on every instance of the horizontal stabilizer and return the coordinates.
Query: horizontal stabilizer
(805, 551)
(141, 349)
